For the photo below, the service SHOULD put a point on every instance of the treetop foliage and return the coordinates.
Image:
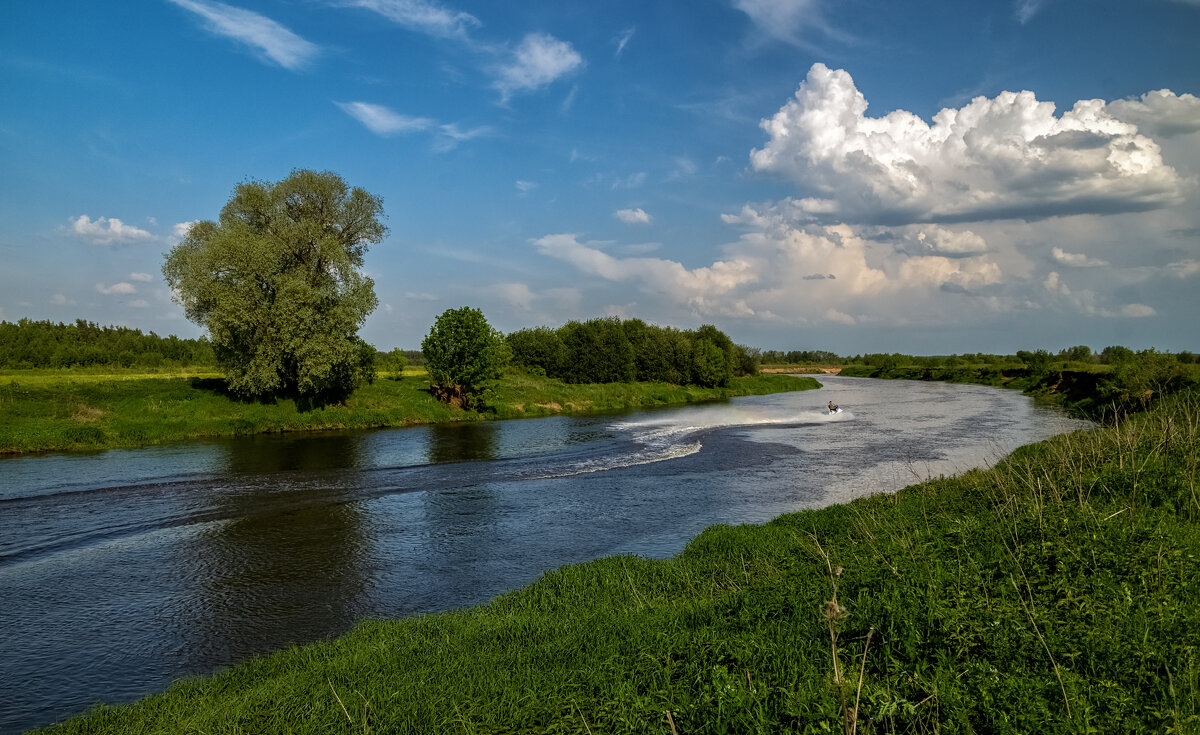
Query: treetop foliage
(277, 283)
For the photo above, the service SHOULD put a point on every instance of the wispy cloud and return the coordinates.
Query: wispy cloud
(266, 38)
(384, 121)
(524, 187)
(423, 16)
(536, 62)
(108, 230)
(451, 135)
(622, 40)
(143, 277)
(785, 20)
(1026, 9)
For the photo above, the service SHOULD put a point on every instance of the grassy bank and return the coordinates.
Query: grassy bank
(1056, 592)
(1099, 392)
(47, 410)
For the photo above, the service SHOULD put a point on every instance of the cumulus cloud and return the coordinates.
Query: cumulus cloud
(107, 230)
(423, 16)
(382, 120)
(633, 216)
(1161, 113)
(60, 299)
(535, 63)
(1077, 260)
(995, 158)
(143, 277)
(266, 38)
(123, 288)
(180, 230)
(697, 287)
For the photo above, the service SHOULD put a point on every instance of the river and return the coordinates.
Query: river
(121, 571)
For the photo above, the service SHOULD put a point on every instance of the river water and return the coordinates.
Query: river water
(123, 570)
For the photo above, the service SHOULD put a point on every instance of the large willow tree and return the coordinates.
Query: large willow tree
(278, 284)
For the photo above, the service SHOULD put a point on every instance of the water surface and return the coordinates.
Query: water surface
(123, 570)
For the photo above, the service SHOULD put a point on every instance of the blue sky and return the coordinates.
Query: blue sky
(855, 176)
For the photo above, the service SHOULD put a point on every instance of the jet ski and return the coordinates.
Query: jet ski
(835, 410)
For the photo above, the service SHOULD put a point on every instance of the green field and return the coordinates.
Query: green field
(1057, 592)
(57, 410)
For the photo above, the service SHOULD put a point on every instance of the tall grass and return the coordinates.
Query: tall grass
(1056, 592)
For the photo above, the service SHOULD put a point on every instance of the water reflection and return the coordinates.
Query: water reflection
(463, 442)
(290, 565)
(266, 453)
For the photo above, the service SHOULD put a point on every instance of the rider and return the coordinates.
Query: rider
(832, 407)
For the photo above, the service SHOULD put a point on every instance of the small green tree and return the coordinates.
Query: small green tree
(394, 361)
(278, 284)
(463, 355)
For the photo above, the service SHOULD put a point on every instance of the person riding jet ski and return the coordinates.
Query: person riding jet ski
(833, 407)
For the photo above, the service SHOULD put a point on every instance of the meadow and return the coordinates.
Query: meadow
(1055, 592)
(88, 409)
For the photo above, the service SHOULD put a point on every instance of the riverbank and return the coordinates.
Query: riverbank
(1054, 592)
(44, 410)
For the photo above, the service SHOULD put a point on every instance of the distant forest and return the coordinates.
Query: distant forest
(1079, 354)
(598, 350)
(44, 344)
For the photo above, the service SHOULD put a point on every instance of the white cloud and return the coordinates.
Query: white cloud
(622, 40)
(59, 299)
(384, 121)
(524, 187)
(179, 231)
(139, 303)
(1137, 310)
(536, 62)
(451, 135)
(1077, 260)
(268, 39)
(784, 20)
(123, 288)
(700, 288)
(419, 296)
(516, 295)
(423, 16)
(1184, 268)
(633, 216)
(1026, 9)
(107, 230)
(144, 277)
(1161, 113)
(1007, 157)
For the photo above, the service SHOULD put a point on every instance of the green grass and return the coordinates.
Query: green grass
(49, 410)
(1058, 592)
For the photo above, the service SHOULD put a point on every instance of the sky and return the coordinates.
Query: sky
(854, 176)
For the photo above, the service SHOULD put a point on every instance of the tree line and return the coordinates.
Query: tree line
(44, 344)
(1111, 355)
(611, 350)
